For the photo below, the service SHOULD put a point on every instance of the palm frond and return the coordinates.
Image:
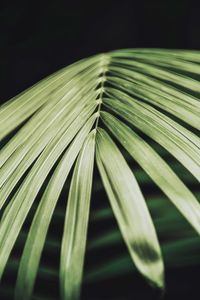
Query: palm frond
(37, 234)
(135, 95)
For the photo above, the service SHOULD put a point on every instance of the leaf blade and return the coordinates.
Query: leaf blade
(163, 175)
(76, 222)
(124, 194)
(21, 202)
(37, 233)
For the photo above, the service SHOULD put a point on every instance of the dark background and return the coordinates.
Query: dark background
(38, 38)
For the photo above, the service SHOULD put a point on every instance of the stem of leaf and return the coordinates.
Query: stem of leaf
(105, 62)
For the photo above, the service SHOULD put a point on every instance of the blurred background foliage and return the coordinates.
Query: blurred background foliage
(38, 38)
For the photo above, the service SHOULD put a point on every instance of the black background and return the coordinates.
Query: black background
(38, 38)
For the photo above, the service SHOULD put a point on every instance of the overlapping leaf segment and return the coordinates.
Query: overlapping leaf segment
(73, 116)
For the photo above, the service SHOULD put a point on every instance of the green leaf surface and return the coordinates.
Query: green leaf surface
(38, 231)
(182, 146)
(130, 209)
(163, 176)
(76, 222)
(21, 203)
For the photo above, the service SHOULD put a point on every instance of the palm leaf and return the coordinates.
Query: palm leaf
(156, 94)
(35, 242)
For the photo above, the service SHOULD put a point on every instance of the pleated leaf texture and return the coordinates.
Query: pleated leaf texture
(81, 118)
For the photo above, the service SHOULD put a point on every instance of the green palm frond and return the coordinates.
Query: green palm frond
(109, 104)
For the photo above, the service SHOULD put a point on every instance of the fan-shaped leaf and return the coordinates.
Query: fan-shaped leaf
(155, 91)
